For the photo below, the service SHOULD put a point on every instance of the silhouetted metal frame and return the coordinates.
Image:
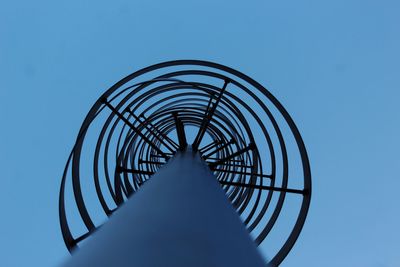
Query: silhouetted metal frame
(236, 163)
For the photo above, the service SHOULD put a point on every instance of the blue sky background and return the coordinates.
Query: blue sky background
(333, 64)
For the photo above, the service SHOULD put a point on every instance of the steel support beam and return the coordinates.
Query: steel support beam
(180, 131)
(181, 217)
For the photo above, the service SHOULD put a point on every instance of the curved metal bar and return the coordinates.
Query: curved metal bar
(143, 125)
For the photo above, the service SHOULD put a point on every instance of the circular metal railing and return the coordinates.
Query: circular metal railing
(239, 128)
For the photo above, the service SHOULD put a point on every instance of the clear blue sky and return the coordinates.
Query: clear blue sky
(333, 64)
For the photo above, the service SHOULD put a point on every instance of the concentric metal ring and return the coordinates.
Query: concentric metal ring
(240, 129)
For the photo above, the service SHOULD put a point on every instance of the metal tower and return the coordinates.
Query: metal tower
(185, 163)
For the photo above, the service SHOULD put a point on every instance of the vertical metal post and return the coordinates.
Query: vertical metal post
(180, 131)
(180, 217)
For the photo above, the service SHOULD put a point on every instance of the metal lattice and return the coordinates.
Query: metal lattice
(239, 128)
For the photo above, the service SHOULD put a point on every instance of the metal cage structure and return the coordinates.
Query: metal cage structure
(239, 129)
